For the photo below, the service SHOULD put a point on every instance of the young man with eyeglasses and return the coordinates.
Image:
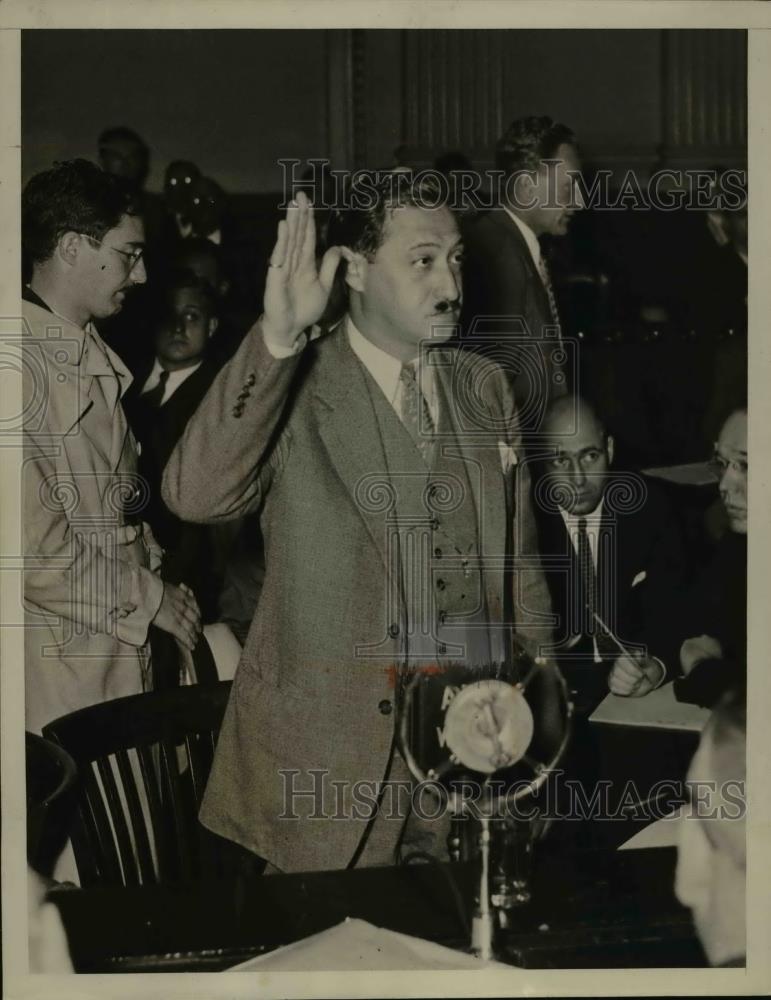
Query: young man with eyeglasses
(709, 626)
(91, 588)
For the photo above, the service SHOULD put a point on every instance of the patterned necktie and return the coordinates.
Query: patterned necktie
(154, 398)
(587, 581)
(415, 413)
(588, 596)
(546, 279)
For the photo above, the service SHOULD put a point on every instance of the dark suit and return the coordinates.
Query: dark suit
(187, 555)
(716, 606)
(640, 565)
(504, 300)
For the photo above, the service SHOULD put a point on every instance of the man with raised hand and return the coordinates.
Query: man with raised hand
(353, 449)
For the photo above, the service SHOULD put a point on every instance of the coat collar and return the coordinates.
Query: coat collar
(73, 359)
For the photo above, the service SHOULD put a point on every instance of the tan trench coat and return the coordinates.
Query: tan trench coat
(88, 599)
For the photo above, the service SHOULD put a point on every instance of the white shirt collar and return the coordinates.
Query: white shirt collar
(592, 519)
(529, 236)
(173, 383)
(385, 369)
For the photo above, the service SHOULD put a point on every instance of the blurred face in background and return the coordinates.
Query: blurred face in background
(178, 183)
(185, 330)
(550, 199)
(126, 158)
(729, 463)
(711, 864)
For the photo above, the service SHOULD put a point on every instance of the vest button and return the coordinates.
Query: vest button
(442, 617)
(385, 707)
(440, 584)
(438, 553)
(393, 630)
(441, 649)
(434, 523)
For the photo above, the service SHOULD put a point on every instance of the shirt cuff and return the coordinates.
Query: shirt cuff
(663, 669)
(280, 351)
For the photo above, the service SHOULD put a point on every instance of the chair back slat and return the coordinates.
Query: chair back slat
(118, 821)
(102, 849)
(136, 821)
(144, 856)
(180, 807)
(200, 754)
(159, 822)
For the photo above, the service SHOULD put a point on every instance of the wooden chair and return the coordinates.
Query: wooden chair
(51, 776)
(143, 764)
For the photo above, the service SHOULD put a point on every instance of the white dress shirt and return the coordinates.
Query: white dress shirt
(383, 367)
(173, 382)
(529, 236)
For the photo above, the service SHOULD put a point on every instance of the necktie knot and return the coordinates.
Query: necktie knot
(154, 398)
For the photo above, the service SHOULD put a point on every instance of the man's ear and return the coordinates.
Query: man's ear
(356, 268)
(610, 447)
(213, 324)
(68, 247)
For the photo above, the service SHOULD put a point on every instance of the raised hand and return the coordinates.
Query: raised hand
(296, 292)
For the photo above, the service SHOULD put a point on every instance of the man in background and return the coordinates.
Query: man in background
(91, 588)
(705, 632)
(612, 549)
(509, 293)
(711, 876)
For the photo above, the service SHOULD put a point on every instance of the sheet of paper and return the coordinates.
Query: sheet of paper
(359, 945)
(659, 709)
(691, 474)
(664, 832)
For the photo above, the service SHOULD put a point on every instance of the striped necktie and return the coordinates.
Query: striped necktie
(415, 414)
(546, 279)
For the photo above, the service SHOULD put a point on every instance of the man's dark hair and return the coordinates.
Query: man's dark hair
(528, 141)
(183, 278)
(74, 196)
(370, 201)
(121, 133)
(198, 246)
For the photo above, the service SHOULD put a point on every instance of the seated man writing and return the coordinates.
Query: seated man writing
(707, 639)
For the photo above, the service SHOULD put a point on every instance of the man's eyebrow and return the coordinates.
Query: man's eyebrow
(425, 243)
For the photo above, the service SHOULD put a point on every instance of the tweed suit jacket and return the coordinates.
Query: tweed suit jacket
(505, 297)
(297, 439)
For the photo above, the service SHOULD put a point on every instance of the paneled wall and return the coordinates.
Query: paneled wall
(705, 95)
(237, 101)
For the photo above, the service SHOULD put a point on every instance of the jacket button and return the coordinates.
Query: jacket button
(393, 630)
(385, 707)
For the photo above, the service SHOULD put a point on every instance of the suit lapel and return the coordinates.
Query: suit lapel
(536, 282)
(349, 431)
(493, 493)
